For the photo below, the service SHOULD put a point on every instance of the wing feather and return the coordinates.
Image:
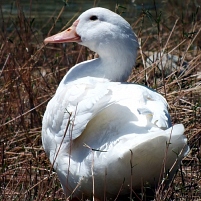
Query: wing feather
(74, 105)
(77, 103)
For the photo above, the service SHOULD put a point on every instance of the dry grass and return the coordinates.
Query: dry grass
(29, 76)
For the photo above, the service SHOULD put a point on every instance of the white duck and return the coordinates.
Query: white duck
(97, 130)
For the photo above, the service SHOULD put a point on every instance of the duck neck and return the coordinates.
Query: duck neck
(114, 64)
(117, 64)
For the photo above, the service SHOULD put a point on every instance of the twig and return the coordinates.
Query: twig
(5, 64)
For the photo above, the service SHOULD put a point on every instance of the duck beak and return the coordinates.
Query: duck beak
(68, 35)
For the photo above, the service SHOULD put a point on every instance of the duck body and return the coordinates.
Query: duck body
(101, 132)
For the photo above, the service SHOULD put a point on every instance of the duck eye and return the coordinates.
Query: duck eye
(93, 17)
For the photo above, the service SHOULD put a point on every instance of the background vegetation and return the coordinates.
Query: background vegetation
(30, 73)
